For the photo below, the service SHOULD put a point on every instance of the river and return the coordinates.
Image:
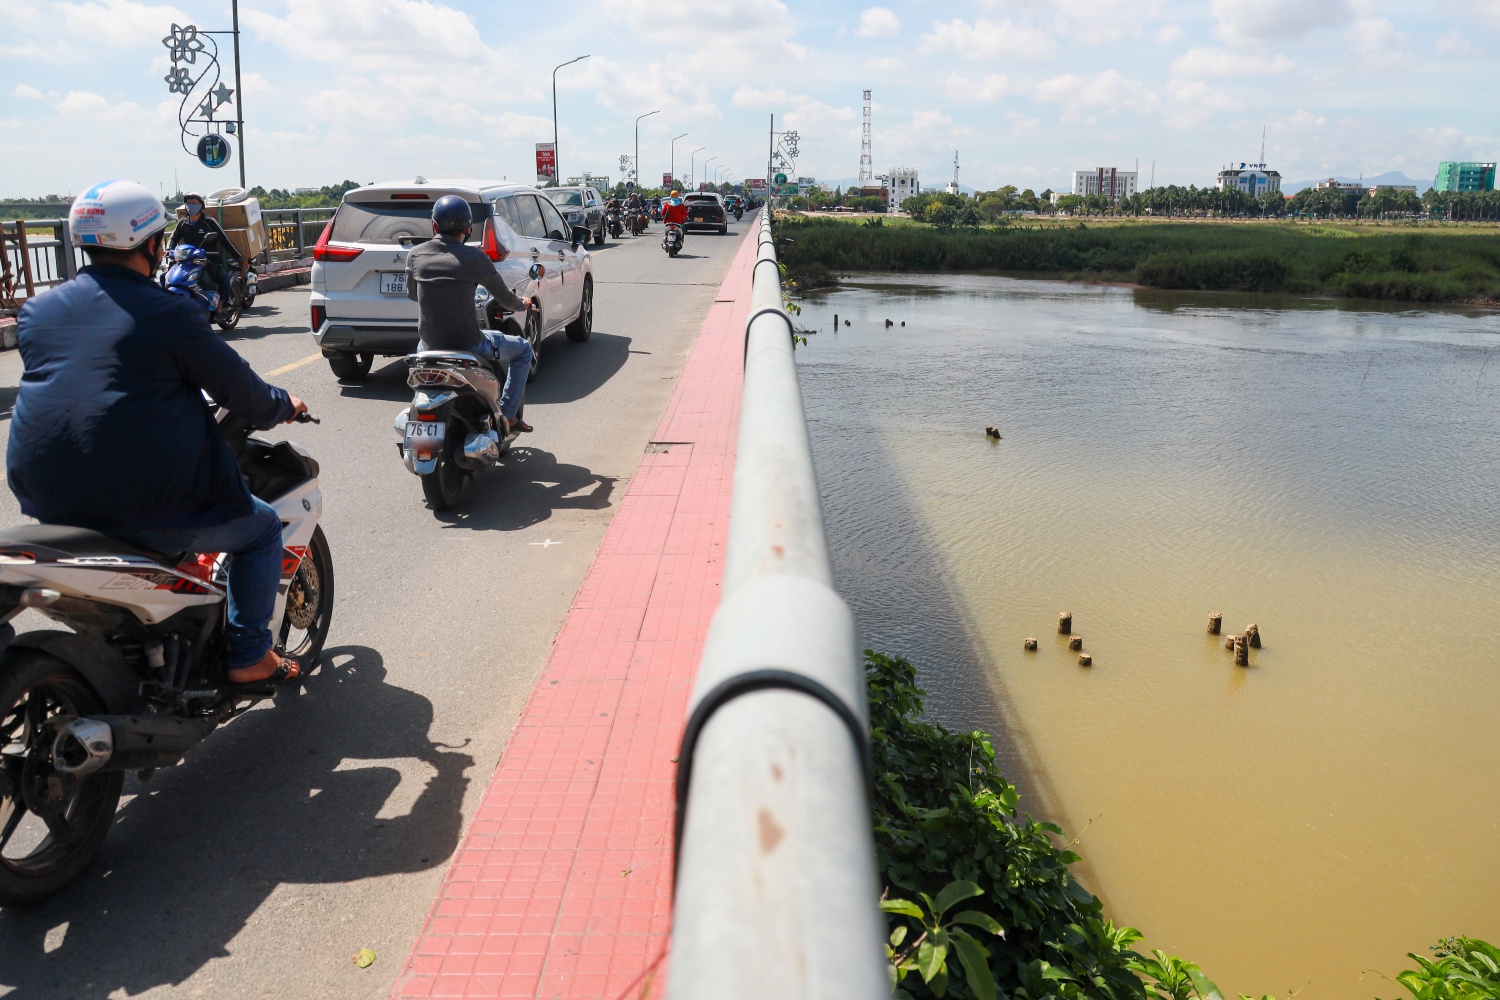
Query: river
(1330, 472)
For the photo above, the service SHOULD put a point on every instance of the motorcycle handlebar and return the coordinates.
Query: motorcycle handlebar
(306, 418)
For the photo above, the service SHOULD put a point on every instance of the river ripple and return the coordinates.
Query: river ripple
(1331, 474)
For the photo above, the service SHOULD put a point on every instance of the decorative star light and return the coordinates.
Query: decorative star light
(179, 81)
(184, 44)
(222, 95)
(206, 109)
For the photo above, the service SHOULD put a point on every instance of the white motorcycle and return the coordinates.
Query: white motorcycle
(142, 677)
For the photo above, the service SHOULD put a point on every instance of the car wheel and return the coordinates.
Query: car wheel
(724, 230)
(583, 327)
(534, 338)
(350, 367)
(599, 236)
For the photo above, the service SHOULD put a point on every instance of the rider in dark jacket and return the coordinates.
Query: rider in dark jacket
(110, 430)
(203, 231)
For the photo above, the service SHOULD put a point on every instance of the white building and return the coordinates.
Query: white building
(902, 184)
(1252, 178)
(1106, 181)
(1342, 187)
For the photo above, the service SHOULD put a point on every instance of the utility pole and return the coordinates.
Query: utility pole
(673, 167)
(692, 166)
(770, 157)
(648, 114)
(556, 158)
(239, 90)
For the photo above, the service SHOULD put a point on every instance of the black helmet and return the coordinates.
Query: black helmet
(452, 214)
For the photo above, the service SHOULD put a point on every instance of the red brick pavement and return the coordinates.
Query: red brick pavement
(562, 887)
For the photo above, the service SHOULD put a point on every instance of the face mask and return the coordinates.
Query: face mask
(194, 210)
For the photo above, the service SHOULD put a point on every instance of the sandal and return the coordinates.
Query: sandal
(286, 670)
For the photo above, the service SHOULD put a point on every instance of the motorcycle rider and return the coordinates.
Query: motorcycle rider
(441, 276)
(110, 430)
(201, 230)
(674, 210)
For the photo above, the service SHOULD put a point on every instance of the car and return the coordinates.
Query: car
(705, 211)
(359, 308)
(580, 206)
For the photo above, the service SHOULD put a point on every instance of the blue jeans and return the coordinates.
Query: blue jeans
(515, 353)
(254, 546)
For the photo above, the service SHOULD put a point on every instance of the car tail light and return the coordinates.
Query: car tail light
(410, 197)
(333, 251)
(319, 314)
(490, 244)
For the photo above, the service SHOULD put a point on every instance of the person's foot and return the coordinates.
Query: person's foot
(518, 426)
(271, 669)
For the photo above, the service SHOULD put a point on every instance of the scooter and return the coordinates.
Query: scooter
(639, 222)
(142, 677)
(671, 240)
(612, 221)
(739, 211)
(184, 274)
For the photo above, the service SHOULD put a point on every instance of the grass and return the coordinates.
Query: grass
(1430, 263)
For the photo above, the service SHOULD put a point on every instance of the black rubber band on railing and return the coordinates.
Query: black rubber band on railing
(764, 311)
(746, 683)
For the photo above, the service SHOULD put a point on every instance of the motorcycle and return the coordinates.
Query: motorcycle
(739, 211)
(656, 213)
(612, 221)
(182, 274)
(671, 240)
(639, 222)
(453, 427)
(142, 677)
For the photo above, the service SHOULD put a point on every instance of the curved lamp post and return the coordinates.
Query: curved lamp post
(556, 158)
(673, 163)
(705, 166)
(692, 169)
(648, 114)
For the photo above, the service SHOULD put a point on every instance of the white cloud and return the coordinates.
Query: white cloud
(878, 22)
(985, 39)
(1455, 41)
(375, 35)
(122, 23)
(1192, 102)
(96, 108)
(719, 37)
(1168, 33)
(1203, 63)
(1374, 37)
(27, 92)
(991, 88)
(886, 64)
(1108, 91)
(1277, 20)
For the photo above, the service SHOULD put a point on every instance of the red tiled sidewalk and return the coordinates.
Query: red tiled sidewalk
(562, 887)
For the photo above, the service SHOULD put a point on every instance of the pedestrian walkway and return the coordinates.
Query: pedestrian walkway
(562, 887)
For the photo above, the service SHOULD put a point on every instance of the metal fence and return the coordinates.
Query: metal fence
(291, 233)
(776, 888)
(38, 254)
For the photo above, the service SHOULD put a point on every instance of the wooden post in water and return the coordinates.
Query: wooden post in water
(1215, 622)
(1030, 644)
(1065, 623)
(1085, 660)
(1241, 651)
(1229, 641)
(1075, 643)
(1252, 633)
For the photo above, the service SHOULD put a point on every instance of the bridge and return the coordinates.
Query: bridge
(587, 735)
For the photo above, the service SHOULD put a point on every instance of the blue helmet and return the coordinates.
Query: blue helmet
(452, 214)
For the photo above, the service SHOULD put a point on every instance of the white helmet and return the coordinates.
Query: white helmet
(116, 214)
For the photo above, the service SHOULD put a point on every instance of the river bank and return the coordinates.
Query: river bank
(1456, 265)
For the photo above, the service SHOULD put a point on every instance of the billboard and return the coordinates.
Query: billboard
(666, 179)
(546, 162)
(755, 183)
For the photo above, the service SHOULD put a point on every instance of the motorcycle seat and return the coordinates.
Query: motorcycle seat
(65, 541)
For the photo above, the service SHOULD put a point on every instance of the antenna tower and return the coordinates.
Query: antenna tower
(1263, 147)
(955, 171)
(866, 161)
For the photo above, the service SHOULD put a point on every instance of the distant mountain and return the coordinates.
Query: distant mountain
(1391, 177)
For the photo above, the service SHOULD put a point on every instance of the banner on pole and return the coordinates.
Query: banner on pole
(666, 179)
(546, 162)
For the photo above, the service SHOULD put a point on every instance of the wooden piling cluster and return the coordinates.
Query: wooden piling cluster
(993, 433)
(1239, 644)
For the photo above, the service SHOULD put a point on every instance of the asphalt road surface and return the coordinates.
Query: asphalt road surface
(322, 824)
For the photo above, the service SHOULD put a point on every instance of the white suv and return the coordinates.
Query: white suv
(359, 303)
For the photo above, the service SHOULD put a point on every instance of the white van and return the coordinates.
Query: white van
(359, 303)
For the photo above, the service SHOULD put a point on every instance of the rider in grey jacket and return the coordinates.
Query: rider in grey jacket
(441, 276)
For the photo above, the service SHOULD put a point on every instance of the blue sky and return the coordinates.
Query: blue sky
(1025, 90)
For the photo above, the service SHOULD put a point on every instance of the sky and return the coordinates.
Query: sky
(1025, 91)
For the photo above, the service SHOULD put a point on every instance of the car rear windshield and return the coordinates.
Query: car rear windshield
(397, 223)
(565, 197)
(702, 199)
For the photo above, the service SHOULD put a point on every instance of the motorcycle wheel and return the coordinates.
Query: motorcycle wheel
(672, 249)
(443, 485)
(43, 849)
(309, 605)
(229, 314)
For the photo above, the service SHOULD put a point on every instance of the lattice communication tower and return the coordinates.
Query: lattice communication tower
(866, 161)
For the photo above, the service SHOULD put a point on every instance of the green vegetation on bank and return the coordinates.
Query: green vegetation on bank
(979, 897)
(1436, 264)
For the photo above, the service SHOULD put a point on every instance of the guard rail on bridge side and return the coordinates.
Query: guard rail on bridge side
(291, 233)
(776, 888)
(38, 254)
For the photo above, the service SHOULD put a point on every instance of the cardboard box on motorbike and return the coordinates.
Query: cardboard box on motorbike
(242, 223)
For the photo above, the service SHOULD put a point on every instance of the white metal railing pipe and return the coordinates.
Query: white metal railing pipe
(776, 887)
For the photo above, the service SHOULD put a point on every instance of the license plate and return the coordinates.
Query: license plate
(392, 282)
(697, 218)
(424, 432)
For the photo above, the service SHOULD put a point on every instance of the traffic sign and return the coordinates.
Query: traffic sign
(213, 150)
(780, 179)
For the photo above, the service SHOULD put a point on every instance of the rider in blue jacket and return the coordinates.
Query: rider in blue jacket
(110, 430)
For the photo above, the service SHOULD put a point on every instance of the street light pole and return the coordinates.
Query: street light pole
(557, 160)
(673, 165)
(705, 166)
(692, 168)
(648, 114)
(239, 89)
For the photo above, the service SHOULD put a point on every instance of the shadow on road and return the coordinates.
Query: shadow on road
(278, 796)
(572, 371)
(246, 332)
(525, 491)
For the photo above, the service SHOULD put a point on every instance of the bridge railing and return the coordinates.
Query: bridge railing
(291, 233)
(776, 888)
(39, 253)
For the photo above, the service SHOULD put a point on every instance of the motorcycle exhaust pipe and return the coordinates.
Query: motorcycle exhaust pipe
(125, 742)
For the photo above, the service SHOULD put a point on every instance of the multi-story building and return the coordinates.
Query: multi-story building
(1255, 179)
(1455, 176)
(902, 184)
(1334, 184)
(1106, 181)
(589, 180)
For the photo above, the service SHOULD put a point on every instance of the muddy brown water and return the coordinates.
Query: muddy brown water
(1328, 471)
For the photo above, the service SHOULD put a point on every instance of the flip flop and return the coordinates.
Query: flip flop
(288, 670)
